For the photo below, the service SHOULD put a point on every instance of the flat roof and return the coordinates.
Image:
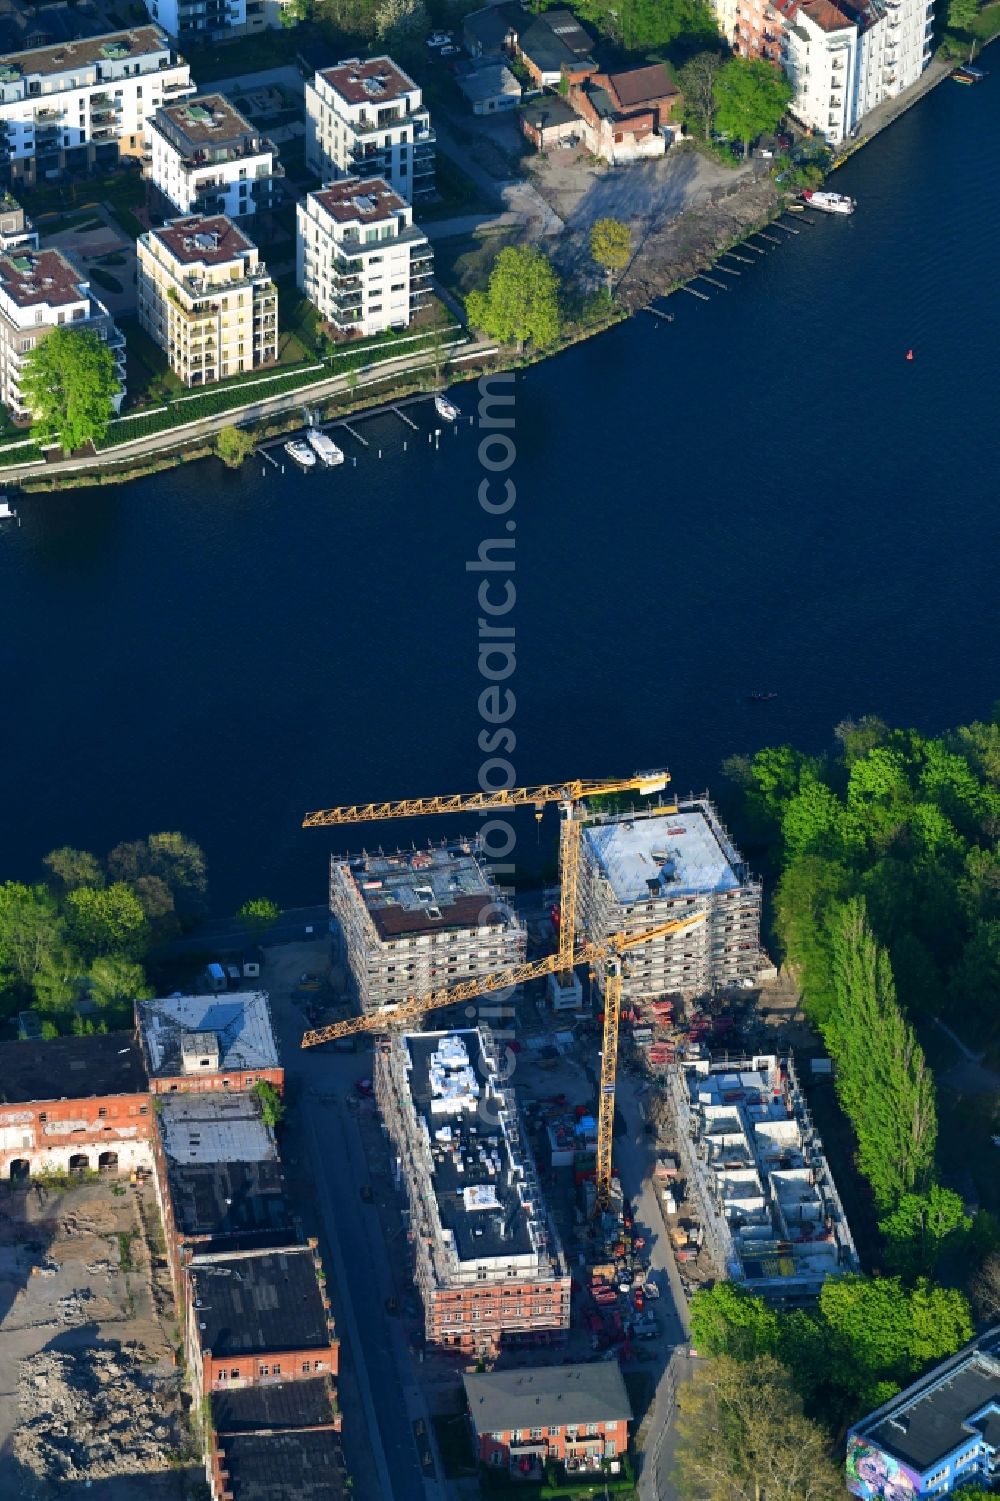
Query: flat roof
(472, 1174)
(681, 852)
(954, 1403)
(241, 1022)
(547, 1396)
(359, 200)
(308, 1465)
(283, 1404)
(252, 1305)
(71, 1068)
(207, 1128)
(422, 891)
(549, 110)
(226, 1201)
(112, 46)
(206, 120)
(30, 277)
(487, 80)
(376, 81)
(203, 240)
(553, 38)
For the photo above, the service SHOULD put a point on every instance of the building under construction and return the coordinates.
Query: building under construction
(637, 870)
(418, 919)
(487, 1260)
(755, 1167)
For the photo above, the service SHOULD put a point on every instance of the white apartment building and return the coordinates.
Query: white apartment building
(207, 299)
(82, 104)
(206, 158)
(16, 230)
(821, 62)
(206, 20)
(367, 119)
(843, 58)
(360, 258)
(41, 290)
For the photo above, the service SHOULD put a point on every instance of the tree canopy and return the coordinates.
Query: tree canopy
(258, 915)
(521, 302)
(86, 933)
(611, 246)
(742, 1435)
(697, 80)
(234, 444)
(750, 98)
(69, 381)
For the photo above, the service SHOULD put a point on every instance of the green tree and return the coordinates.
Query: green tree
(750, 98)
(921, 1228)
(258, 916)
(727, 1320)
(521, 303)
(107, 921)
(742, 1436)
(640, 26)
(882, 1077)
(294, 11)
(72, 867)
(400, 24)
(57, 980)
(69, 381)
(272, 1107)
(611, 246)
(162, 863)
(31, 931)
(858, 737)
(234, 444)
(115, 982)
(962, 14)
(697, 80)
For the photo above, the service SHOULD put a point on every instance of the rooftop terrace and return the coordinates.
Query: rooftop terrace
(359, 201)
(376, 81)
(204, 240)
(32, 278)
(66, 57)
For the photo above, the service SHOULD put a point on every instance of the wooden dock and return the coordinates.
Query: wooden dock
(702, 295)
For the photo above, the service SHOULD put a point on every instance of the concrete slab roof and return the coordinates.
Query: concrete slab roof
(649, 859)
(206, 1128)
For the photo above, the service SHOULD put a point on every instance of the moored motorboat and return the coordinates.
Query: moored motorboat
(301, 453)
(830, 203)
(7, 512)
(446, 409)
(324, 447)
(968, 74)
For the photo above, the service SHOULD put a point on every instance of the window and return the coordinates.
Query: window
(265, 1370)
(536, 1433)
(102, 1112)
(143, 1109)
(610, 1448)
(234, 1373)
(43, 1115)
(276, 1371)
(591, 1430)
(305, 1368)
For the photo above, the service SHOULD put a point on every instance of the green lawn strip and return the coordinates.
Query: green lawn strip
(23, 453)
(224, 396)
(987, 24)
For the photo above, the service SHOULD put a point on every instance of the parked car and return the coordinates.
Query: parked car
(439, 39)
(450, 51)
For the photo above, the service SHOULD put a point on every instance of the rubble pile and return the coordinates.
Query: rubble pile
(94, 1413)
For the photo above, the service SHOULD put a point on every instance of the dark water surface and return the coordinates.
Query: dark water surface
(764, 494)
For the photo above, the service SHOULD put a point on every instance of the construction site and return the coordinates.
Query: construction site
(93, 1391)
(410, 921)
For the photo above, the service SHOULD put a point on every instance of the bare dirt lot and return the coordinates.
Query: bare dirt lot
(90, 1394)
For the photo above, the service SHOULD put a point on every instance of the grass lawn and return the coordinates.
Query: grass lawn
(457, 192)
(466, 262)
(987, 23)
(248, 54)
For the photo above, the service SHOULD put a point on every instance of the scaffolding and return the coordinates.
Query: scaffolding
(644, 868)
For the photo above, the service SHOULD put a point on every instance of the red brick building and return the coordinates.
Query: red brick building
(257, 1318)
(197, 1043)
(576, 1415)
(74, 1104)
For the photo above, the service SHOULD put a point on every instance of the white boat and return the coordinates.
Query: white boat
(301, 453)
(446, 409)
(324, 448)
(830, 203)
(7, 512)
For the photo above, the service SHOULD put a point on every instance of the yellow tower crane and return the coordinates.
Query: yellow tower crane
(608, 952)
(569, 795)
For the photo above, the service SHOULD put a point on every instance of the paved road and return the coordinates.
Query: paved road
(634, 1157)
(320, 1081)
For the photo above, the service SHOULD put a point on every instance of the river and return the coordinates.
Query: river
(764, 495)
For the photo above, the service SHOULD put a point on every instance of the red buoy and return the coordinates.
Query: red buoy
(909, 354)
